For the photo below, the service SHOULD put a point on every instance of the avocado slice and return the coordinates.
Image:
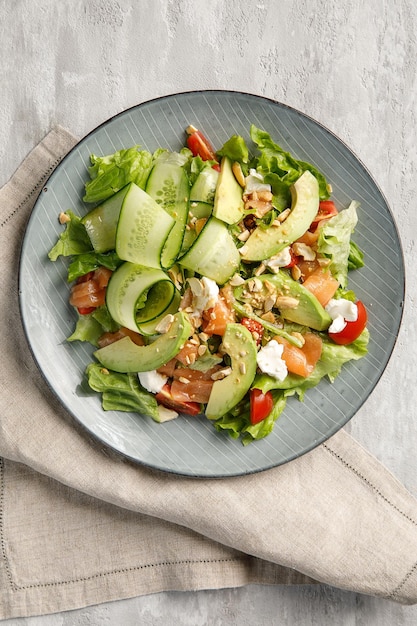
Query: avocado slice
(239, 344)
(125, 356)
(294, 302)
(264, 243)
(228, 199)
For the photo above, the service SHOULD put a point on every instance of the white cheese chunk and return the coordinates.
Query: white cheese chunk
(205, 294)
(269, 360)
(255, 182)
(337, 325)
(166, 415)
(152, 381)
(282, 259)
(341, 311)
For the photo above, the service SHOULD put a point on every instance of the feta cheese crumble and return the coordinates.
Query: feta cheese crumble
(205, 294)
(152, 381)
(341, 311)
(255, 182)
(269, 360)
(282, 259)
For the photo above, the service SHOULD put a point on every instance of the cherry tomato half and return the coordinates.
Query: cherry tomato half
(261, 404)
(352, 330)
(327, 209)
(200, 146)
(254, 327)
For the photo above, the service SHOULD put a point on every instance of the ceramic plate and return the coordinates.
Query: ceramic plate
(188, 445)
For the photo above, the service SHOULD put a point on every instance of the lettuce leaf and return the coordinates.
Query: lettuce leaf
(121, 392)
(235, 149)
(280, 169)
(91, 326)
(356, 257)
(334, 241)
(237, 422)
(73, 240)
(111, 173)
(90, 261)
(88, 329)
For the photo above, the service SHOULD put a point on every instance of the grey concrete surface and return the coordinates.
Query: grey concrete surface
(350, 64)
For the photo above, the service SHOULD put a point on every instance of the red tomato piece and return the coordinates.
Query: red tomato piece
(165, 397)
(327, 209)
(352, 330)
(294, 259)
(200, 146)
(254, 327)
(261, 404)
(85, 310)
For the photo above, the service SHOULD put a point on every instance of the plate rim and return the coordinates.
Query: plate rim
(66, 407)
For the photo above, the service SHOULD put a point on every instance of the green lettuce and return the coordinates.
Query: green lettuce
(111, 173)
(356, 257)
(91, 326)
(121, 392)
(73, 240)
(237, 422)
(90, 261)
(334, 241)
(88, 329)
(280, 169)
(235, 149)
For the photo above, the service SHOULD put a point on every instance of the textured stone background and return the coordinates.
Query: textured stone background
(350, 64)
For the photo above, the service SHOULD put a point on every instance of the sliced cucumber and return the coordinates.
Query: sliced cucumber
(126, 356)
(213, 253)
(142, 229)
(101, 222)
(204, 187)
(168, 186)
(138, 297)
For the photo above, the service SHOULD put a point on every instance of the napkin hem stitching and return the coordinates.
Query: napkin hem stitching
(15, 587)
(370, 484)
(2, 539)
(34, 189)
(395, 593)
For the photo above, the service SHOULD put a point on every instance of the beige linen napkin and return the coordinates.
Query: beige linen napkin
(80, 525)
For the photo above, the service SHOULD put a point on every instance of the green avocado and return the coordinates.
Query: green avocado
(125, 356)
(239, 344)
(292, 301)
(228, 199)
(265, 242)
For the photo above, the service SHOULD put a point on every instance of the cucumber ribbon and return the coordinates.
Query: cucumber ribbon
(139, 297)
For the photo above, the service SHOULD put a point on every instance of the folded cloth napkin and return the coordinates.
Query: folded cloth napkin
(80, 525)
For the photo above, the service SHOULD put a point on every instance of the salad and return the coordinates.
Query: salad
(212, 283)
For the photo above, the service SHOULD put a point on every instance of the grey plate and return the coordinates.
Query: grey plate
(190, 445)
